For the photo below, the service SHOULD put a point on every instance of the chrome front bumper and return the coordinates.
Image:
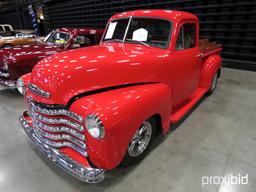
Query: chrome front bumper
(85, 174)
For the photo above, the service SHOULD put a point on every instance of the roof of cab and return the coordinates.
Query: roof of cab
(161, 13)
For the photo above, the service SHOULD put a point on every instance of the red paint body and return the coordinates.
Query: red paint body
(22, 59)
(131, 83)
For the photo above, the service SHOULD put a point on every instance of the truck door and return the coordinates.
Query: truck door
(187, 61)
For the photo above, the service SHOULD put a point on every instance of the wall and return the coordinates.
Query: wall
(230, 22)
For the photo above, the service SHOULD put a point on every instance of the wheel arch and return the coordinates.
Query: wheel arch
(211, 65)
(219, 73)
(159, 124)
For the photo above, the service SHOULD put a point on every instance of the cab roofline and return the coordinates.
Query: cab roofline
(172, 15)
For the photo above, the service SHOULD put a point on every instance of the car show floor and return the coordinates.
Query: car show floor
(217, 138)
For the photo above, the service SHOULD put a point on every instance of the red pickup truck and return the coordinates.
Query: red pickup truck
(92, 109)
(19, 60)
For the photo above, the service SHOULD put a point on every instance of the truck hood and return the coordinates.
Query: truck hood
(68, 74)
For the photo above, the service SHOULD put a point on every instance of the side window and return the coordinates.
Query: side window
(7, 28)
(187, 36)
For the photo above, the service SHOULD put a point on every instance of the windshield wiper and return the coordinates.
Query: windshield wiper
(141, 42)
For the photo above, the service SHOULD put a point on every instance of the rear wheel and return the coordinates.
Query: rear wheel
(140, 143)
(213, 84)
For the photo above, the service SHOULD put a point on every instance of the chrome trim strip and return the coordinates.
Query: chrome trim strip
(36, 90)
(8, 83)
(85, 174)
(64, 112)
(60, 137)
(56, 121)
(6, 75)
(72, 132)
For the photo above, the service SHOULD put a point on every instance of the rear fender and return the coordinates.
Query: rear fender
(211, 65)
(122, 111)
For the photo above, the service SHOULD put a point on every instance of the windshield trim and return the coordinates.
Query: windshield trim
(128, 25)
(127, 28)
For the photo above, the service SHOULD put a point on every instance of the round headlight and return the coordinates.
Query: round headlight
(21, 86)
(94, 126)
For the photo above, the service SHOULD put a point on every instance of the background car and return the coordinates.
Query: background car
(19, 39)
(6, 30)
(19, 60)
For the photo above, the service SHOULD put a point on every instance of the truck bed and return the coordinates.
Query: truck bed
(208, 47)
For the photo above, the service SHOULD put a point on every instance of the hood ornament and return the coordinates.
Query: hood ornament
(37, 91)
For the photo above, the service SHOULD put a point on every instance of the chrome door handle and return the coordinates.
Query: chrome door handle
(199, 55)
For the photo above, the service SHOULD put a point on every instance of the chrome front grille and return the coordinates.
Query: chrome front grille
(56, 112)
(58, 127)
(56, 121)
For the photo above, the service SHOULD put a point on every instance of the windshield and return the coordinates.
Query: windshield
(147, 31)
(57, 38)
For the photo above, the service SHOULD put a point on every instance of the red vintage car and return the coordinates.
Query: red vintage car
(19, 60)
(92, 109)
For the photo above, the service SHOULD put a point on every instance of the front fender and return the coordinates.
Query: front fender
(211, 65)
(122, 112)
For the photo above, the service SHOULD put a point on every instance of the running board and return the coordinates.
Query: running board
(181, 110)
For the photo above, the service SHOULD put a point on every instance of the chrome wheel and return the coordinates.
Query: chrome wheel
(140, 140)
(214, 82)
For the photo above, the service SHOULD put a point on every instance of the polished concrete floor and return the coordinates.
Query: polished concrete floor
(216, 139)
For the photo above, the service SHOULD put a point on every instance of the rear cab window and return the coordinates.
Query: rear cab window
(187, 37)
(7, 28)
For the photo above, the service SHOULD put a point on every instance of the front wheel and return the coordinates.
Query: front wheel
(213, 84)
(140, 143)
